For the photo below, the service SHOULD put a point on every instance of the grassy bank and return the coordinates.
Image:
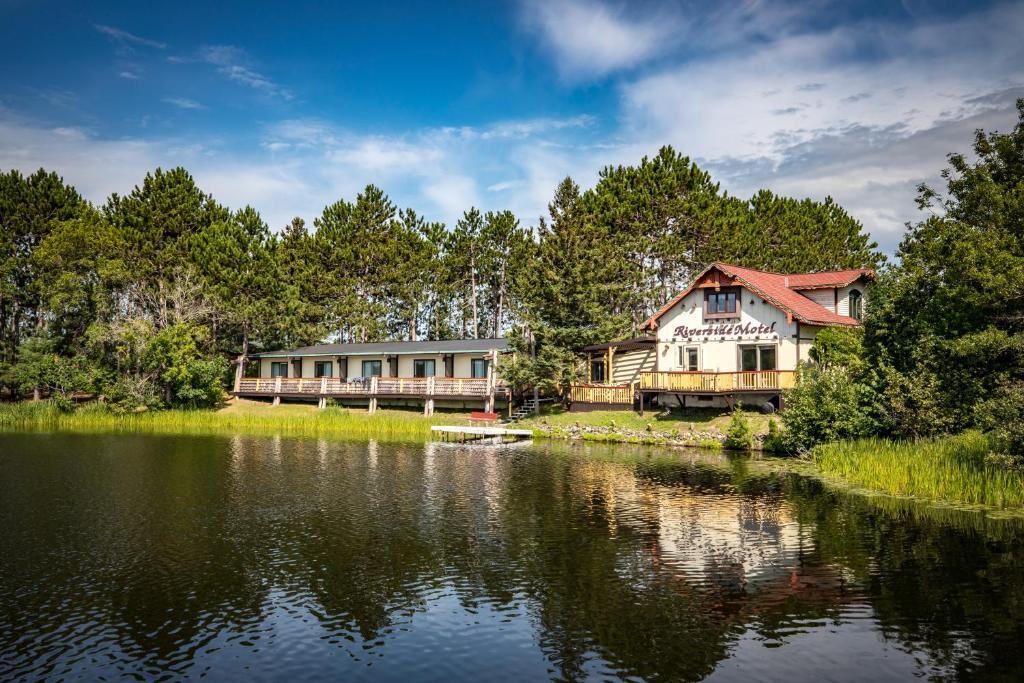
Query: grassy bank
(695, 420)
(952, 469)
(239, 417)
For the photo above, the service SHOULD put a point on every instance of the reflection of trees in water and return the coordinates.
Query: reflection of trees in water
(649, 567)
(943, 581)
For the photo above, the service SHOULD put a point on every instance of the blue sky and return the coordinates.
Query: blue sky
(290, 106)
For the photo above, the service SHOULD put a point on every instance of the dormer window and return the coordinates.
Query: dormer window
(724, 303)
(856, 304)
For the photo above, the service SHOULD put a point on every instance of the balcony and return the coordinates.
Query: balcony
(717, 382)
(381, 387)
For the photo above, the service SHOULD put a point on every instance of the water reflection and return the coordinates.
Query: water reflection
(266, 558)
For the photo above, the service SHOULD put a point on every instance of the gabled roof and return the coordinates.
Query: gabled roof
(782, 290)
(394, 348)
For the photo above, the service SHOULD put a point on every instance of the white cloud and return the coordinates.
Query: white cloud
(183, 103)
(231, 62)
(124, 37)
(590, 38)
(800, 115)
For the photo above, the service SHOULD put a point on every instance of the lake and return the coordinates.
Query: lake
(243, 558)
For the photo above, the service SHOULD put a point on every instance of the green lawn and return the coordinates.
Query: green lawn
(713, 420)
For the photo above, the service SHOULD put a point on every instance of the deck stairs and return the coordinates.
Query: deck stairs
(528, 407)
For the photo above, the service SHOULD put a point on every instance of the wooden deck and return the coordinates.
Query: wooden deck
(768, 381)
(728, 384)
(484, 434)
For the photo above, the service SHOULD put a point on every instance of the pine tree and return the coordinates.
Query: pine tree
(156, 221)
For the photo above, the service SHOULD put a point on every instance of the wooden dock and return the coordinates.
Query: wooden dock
(479, 434)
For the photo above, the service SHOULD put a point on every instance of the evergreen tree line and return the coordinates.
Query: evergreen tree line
(146, 298)
(942, 348)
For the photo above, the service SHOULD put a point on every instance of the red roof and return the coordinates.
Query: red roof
(783, 291)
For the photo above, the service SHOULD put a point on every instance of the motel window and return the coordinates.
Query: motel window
(755, 358)
(721, 304)
(423, 368)
(278, 369)
(597, 371)
(323, 368)
(856, 304)
(478, 367)
(371, 368)
(689, 358)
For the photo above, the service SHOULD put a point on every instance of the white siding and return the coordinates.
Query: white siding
(627, 366)
(462, 365)
(844, 297)
(825, 298)
(716, 354)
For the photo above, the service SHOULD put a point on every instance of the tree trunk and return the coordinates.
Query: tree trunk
(501, 304)
(240, 370)
(472, 289)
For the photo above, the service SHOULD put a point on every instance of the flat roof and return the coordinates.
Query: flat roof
(393, 348)
(624, 345)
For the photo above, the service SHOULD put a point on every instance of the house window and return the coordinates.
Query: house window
(278, 369)
(478, 367)
(423, 368)
(371, 368)
(757, 358)
(323, 368)
(689, 358)
(856, 304)
(597, 371)
(721, 304)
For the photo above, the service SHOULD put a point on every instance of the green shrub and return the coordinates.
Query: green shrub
(1002, 416)
(826, 405)
(711, 444)
(774, 442)
(739, 436)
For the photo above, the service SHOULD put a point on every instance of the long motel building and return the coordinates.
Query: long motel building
(735, 334)
(458, 374)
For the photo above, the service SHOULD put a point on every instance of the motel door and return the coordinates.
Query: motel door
(755, 359)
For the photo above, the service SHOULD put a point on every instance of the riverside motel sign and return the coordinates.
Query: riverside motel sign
(736, 331)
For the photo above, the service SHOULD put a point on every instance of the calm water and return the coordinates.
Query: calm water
(268, 559)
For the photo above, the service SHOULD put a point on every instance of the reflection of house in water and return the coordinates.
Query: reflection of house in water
(728, 541)
(749, 550)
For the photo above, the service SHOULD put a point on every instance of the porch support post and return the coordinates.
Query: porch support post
(641, 404)
(610, 379)
(373, 395)
(489, 403)
(277, 391)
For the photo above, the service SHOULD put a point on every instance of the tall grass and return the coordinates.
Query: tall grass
(395, 426)
(952, 469)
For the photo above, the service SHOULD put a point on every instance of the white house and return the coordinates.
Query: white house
(733, 334)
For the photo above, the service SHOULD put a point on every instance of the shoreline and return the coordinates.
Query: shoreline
(900, 470)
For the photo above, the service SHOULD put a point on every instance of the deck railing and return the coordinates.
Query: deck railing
(369, 386)
(621, 394)
(718, 382)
